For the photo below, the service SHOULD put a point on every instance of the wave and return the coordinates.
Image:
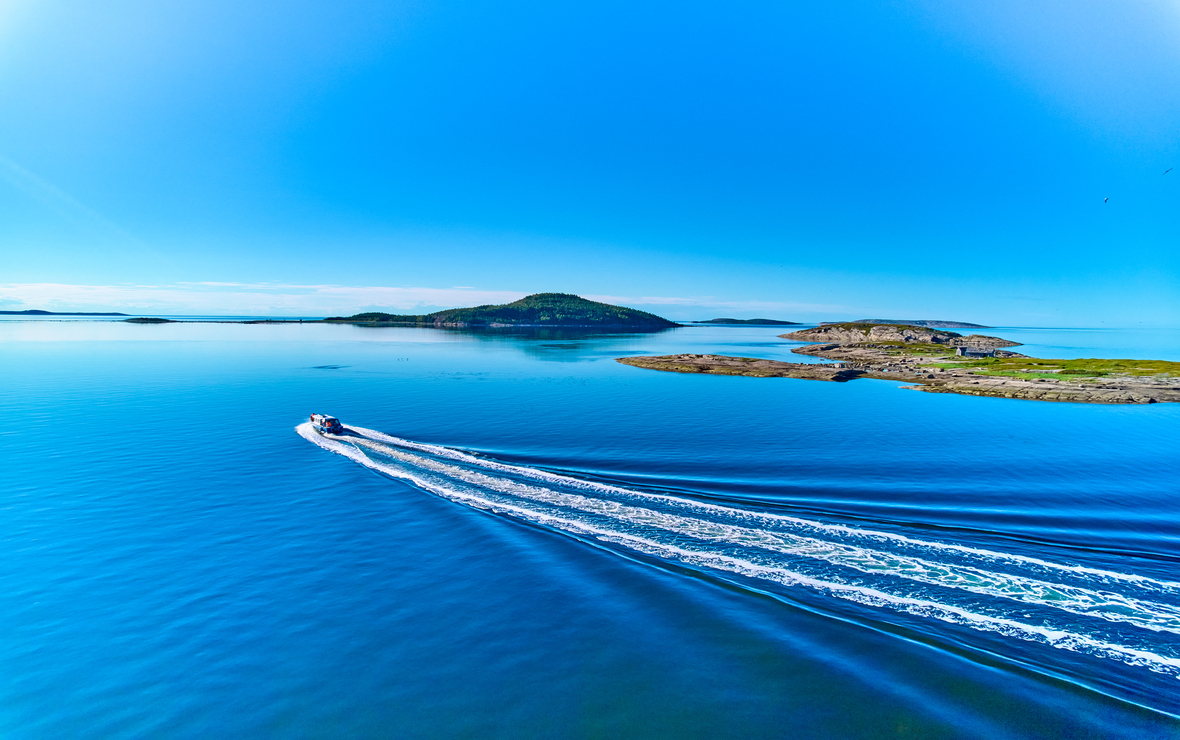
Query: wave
(1121, 616)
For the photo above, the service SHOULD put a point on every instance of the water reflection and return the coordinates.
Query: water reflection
(557, 344)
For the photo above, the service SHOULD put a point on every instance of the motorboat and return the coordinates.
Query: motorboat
(325, 424)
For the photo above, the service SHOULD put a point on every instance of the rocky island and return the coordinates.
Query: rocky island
(539, 309)
(938, 361)
(861, 335)
(750, 367)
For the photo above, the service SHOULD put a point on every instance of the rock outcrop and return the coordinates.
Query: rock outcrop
(906, 333)
(748, 366)
(1121, 391)
(933, 367)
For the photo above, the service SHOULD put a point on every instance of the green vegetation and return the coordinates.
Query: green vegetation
(391, 318)
(915, 349)
(1035, 375)
(1032, 367)
(540, 309)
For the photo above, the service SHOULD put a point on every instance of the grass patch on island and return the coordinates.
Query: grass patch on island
(1031, 368)
(915, 349)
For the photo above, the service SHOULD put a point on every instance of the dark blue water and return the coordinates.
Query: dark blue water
(524, 538)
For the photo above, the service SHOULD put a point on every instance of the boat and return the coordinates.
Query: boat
(325, 424)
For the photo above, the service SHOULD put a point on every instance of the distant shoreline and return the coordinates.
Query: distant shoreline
(476, 325)
(38, 312)
(396, 324)
(745, 322)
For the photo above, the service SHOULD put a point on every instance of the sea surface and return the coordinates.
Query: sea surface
(520, 537)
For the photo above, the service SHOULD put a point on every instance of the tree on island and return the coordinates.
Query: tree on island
(539, 309)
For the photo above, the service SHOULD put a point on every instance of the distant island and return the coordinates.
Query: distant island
(149, 320)
(929, 323)
(754, 322)
(539, 309)
(38, 312)
(938, 361)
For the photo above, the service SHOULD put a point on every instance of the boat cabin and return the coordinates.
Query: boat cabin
(326, 424)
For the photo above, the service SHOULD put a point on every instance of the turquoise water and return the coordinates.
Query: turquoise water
(526, 539)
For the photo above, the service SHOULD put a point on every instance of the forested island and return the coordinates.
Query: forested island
(539, 309)
(928, 323)
(747, 322)
(939, 361)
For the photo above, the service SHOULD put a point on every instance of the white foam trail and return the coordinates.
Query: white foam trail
(1059, 638)
(833, 529)
(1106, 605)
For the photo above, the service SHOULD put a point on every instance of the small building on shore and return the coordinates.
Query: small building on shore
(975, 351)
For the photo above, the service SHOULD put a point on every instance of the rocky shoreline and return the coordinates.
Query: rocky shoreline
(931, 361)
(750, 367)
(878, 334)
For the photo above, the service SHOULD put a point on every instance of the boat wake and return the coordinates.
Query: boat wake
(1119, 616)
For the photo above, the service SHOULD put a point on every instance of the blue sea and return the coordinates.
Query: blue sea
(521, 538)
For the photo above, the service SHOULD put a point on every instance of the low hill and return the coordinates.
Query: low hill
(860, 333)
(753, 322)
(39, 312)
(928, 323)
(539, 309)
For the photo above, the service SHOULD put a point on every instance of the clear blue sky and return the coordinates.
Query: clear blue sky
(941, 159)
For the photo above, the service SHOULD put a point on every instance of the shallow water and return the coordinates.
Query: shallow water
(525, 538)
